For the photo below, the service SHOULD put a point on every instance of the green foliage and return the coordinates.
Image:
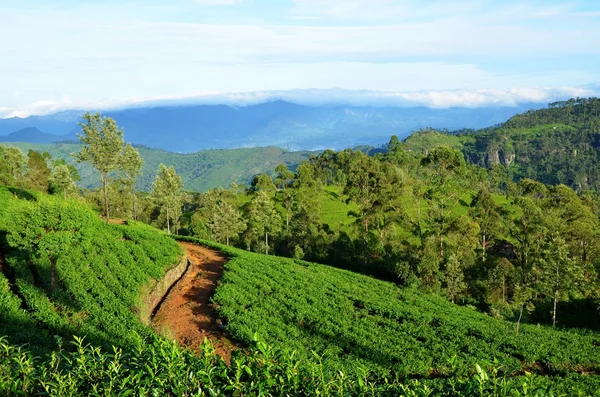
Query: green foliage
(102, 148)
(62, 180)
(99, 272)
(12, 165)
(167, 193)
(200, 171)
(357, 323)
(158, 367)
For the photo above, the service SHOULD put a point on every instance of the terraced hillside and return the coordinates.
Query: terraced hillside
(100, 272)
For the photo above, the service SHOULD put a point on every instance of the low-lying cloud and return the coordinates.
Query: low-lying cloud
(327, 97)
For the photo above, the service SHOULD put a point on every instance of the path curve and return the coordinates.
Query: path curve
(186, 314)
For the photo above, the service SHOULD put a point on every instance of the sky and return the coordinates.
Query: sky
(81, 54)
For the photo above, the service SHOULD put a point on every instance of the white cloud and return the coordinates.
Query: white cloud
(217, 2)
(327, 97)
(105, 55)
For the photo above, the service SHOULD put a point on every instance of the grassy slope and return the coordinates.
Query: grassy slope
(200, 171)
(100, 283)
(357, 321)
(335, 209)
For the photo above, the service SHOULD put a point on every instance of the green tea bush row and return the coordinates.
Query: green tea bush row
(155, 367)
(359, 322)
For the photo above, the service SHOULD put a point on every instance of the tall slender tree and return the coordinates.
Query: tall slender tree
(131, 166)
(102, 147)
(263, 217)
(167, 191)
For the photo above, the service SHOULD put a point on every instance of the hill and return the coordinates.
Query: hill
(559, 144)
(189, 128)
(200, 171)
(328, 331)
(358, 323)
(32, 135)
(64, 272)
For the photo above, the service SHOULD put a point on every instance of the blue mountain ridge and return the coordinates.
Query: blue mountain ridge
(189, 128)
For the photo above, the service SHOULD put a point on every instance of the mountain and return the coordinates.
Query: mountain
(32, 135)
(200, 171)
(189, 128)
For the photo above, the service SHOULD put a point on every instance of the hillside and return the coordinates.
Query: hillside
(200, 171)
(358, 323)
(189, 128)
(100, 272)
(328, 331)
(559, 144)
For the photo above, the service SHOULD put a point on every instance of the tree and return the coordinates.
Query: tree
(559, 274)
(284, 176)
(361, 187)
(48, 229)
(62, 178)
(263, 183)
(228, 222)
(484, 211)
(102, 148)
(38, 172)
(131, 166)
(12, 165)
(263, 217)
(167, 191)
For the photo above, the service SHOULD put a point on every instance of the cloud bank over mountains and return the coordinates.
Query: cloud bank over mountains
(74, 54)
(439, 99)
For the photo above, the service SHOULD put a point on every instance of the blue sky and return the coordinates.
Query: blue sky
(100, 54)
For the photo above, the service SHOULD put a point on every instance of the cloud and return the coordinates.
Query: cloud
(217, 2)
(94, 54)
(328, 97)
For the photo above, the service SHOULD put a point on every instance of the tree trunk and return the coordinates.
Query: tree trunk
(519, 320)
(133, 201)
(266, 243)
(555, 295)
(168, 222)
(554, 311)
(52, 274)
(105, 188)
(483, 243)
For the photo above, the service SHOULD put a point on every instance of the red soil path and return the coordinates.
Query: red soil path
(186, 315)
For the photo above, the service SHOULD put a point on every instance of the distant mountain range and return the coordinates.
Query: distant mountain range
(188, 128)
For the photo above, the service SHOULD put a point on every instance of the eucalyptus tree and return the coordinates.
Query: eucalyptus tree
(102, 147)
(485, 212)
(131, 166)
(62, 178)
(228, 222)
(167, 191)
(263, 218)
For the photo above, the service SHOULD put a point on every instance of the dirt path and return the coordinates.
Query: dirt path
(186, 314)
